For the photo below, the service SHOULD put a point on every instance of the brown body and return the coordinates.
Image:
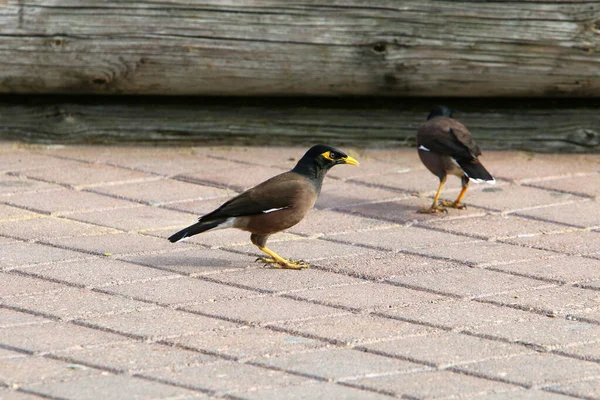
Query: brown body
(293, 193)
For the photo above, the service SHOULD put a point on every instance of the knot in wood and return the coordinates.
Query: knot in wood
(380, 47)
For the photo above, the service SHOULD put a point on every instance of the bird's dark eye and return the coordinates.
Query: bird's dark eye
(334, 155)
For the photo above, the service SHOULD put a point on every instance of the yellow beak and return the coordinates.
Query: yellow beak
(351, 161)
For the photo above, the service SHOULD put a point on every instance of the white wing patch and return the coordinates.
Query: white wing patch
(421, 147)
(270, 210)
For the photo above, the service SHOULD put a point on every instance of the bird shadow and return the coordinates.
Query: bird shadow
(191, 264)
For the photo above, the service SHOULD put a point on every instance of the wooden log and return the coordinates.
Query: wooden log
(567, 125)
(278, 47)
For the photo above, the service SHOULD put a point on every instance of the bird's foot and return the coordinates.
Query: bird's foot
(283, 263)
(432, 210)
(454, 204)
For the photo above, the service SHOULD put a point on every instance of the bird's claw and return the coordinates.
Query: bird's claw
(285, 264)
(454, 204)
(432, 210)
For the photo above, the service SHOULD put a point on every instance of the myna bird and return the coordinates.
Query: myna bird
(445, 147)
(274, 205)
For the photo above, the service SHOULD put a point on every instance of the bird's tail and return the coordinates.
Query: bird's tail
(195, 229)
(475, 171)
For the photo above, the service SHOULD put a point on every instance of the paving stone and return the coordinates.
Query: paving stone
(338, 195)
(109, 386)
(4, 353)
(26, 370)
(134, 356)
(521, 394)
(585, 389)
(9, 318)
(48, 228)
(135, 219)
(8, 213)
(446, 349)
(66, 201)
(13, 185)
(285, 280)
(248, 342)
(406, 211)
(569, 269)
(234, 177)
(264, 309)
(533, 167)
(554, 300)
(227, 377)
(307, 249)
(535, 195)
(497, 226)
(403, 238)
(161, 160)
(587, 351)
(96, 272)
(485, 253)
(160, 323)
(545, 333)
(199, 207)
(282, 156)
(580, 242)
(23, 160)
(54, 336)
(194, 261)
(461, 314)
(371, 167)
(80, 174)
(470, 282)
(332, 223)
(181, 290)
(586, 185)
(592, 315)
(162, 191)
(534, 369)
(354, 328)
(404, 179)
(20, 253)
(368, 296)
(9, 394)
(115, 244)
(380, 265)
(339, 364)
(433, 384)
(317, 391)
(514, 197)
(582, 214)
(14, 285)
(73, 303)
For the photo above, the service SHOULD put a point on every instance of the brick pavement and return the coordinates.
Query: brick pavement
(499, 301)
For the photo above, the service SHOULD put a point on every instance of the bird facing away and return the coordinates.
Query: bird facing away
(445, 146)
(274, 205)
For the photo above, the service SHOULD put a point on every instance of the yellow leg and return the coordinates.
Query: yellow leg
(280, 261)
(435, 206)
(456, 203)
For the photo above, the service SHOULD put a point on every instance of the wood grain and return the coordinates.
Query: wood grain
(533, 125)
(310, 47)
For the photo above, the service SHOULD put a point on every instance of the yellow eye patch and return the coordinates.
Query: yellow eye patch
(327, 155)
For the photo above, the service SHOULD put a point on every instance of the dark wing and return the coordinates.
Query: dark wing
(448, 137)
(281, 191)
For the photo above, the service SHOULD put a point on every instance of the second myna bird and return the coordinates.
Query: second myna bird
(274, 205)
(445, 147)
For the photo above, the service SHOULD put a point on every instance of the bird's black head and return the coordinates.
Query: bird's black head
(319, 159)
(440, 111)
